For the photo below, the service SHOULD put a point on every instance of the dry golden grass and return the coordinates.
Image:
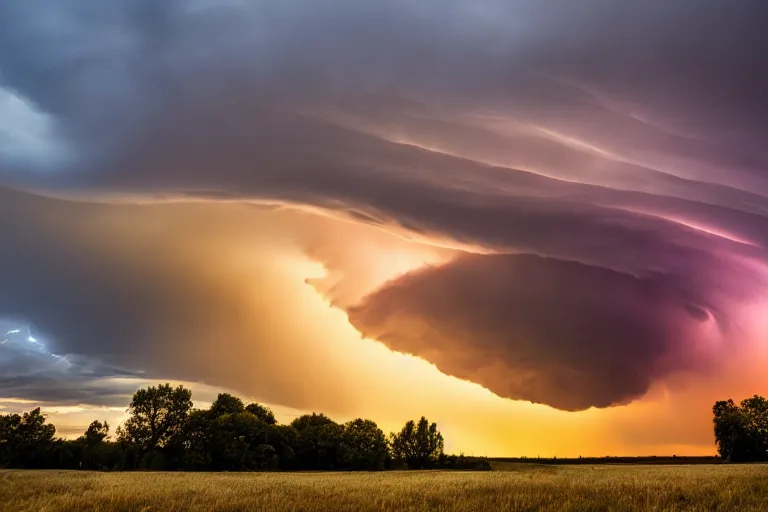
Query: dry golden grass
(570, 488)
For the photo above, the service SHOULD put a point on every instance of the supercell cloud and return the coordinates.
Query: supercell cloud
(599, 167)
(554, 332)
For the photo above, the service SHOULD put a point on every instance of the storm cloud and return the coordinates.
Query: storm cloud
(553, 332)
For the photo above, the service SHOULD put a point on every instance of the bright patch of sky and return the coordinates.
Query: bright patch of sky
(28, 137)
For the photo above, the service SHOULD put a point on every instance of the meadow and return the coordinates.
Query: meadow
(510, 487)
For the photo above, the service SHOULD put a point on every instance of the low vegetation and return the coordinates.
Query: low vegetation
(525, 487)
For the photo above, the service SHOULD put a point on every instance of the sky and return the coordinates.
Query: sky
(540, 224)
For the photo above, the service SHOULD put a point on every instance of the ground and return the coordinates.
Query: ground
(512, 487)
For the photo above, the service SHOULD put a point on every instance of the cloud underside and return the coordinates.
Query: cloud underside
(547, 331)
(601, 168)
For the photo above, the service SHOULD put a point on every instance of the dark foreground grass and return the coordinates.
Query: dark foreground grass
(526, 487)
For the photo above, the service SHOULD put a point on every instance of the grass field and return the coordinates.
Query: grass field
(511, 487)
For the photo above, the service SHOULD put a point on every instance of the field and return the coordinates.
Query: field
(510, 487)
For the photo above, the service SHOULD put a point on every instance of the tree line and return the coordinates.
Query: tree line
(164, 432)
(741, 430)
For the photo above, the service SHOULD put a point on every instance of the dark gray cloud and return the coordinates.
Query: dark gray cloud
(624, 137)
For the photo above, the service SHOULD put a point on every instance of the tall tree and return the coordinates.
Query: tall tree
(157, 417)
(365, 446)
(741, 431)
(419, 445)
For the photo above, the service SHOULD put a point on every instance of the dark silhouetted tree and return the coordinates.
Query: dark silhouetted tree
(755, 412)
(26, 441)
(226, 404)
(365, 446)
(265, 414)
(231, 437)
(319, 445)
(196, 439)
(240, 442)
(420, 446)
(741, 431)
(157, 418)
(285, 440)
(96, 433)
(91, 445)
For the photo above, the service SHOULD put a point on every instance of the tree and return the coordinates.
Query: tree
(196, 437)
(157, 418)
(229, 436)
(240, 442)
(26, 441)
(741, 431)
(755, 412)
(90, 444)
(8, 440)
(285, 440)
(365, 446)
(32, 430)
(729, 427)
(419, 445)
(403, 442)
(96, 433)
(265, 414)
(319, 445)
(92, 450)
(226, 404)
